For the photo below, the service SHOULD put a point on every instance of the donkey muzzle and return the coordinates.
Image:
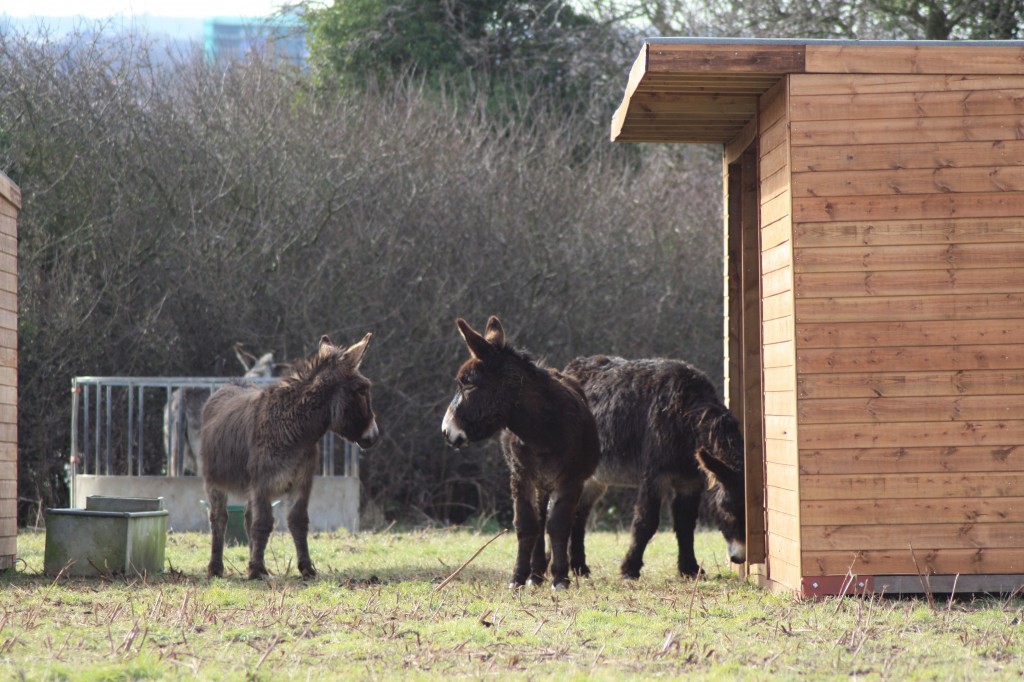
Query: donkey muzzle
(370, 436)
(737, 551)
(455, 436)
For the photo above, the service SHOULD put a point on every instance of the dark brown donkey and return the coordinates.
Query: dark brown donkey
(664, 431)
(548, 437)
(261, 443)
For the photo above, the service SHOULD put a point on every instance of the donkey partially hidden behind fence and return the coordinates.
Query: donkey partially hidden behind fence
(548, 437)
(183, 414)
(664, 430)
(261, 443)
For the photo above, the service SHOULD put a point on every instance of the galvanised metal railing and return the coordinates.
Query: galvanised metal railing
(113, 434)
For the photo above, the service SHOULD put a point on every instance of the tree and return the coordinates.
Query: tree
(842, 19)
(510, 48)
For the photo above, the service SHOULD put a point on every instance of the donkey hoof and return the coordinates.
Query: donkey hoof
(561, 585)
(307, 572)
(215, 571)
(631, 575)
(514, 584)
(582, 571)
(693, 573)
(258, 572)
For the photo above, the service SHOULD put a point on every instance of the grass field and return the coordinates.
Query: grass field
(378, 611)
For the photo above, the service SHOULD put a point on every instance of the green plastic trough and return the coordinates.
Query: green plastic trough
(111, 536)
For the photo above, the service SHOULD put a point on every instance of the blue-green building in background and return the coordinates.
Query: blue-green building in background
(228, 38)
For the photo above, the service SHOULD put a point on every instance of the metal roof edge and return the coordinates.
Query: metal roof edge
(693, 40)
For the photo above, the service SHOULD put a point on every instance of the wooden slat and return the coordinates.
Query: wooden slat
(909, 155)
(785, 501)
(909, 206)
(929, 561)
(904, 130)
(734, 58)
(910, 358)
(914, 434)
(906, 105)
(774, 161)
(775, 137)
(780, 403)
(911, 282)
(777, 306)
(868, 461)
(863, 84)
(936, 383)
(784, 525)
(782, 452)
(776, 257)
(913, 59)
(776, 208)
(714, 105)
(903, 181)
(783, 575)
(895, 308)
(780, 428)
(909, 232)
(778, 330)
(774, 185)
(781, 548)
(773, 106)
(778, 232)
(922, 536)
(910, 333)
(779, 379)
(780, 354)
(898, 512)
(912, 409)
(906, 486)
(780, 476)
(915, 257)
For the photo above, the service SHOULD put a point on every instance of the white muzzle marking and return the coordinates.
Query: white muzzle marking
(455, 436)
(371, 434)
(737, 552)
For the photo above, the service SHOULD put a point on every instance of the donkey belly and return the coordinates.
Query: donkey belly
(613, 472)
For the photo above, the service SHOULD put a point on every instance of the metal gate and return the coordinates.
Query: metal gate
(117, 427)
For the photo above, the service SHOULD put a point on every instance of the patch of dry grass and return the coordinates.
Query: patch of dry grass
(378, 611)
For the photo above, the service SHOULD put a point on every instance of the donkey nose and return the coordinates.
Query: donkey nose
(455, 436)
(370, 436)
(737, 551)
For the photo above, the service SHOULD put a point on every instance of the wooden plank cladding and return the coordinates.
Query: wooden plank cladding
(908, 58)
(890, 283)
(908, 284)
(738, 58)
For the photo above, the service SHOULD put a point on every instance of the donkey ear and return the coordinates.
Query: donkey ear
(715, 470)
(355, 352)
(495, 333)
(324, 347)
(478, 345)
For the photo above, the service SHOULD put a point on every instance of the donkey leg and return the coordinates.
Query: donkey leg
(685, 507)
(592, 492)
(539, 560)
(218, 502)
(646, 515)
(559, 527)
(260, 529)
(298, 525)
(528, 530)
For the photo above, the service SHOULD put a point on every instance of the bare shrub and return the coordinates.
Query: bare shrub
(172, 209)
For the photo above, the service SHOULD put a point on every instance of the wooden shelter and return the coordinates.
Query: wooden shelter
(874, 203)
(10, 205)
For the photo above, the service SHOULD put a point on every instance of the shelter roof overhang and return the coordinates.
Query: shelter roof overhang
(705, 90)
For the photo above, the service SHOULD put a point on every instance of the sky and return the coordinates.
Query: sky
(100, 9)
